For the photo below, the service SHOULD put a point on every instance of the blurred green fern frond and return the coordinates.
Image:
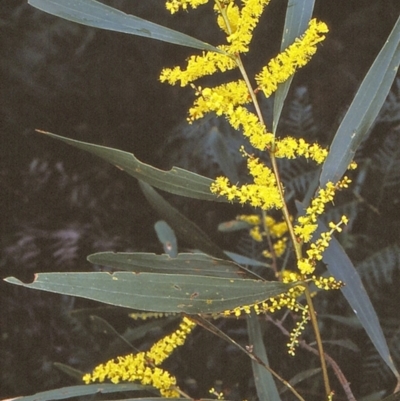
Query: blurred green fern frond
(390, 112)
(386, 161)
(298, 118)
(380, 270)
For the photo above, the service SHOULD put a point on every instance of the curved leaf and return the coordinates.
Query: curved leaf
(184, 263)
(177, 181)
(98, 15)
(340, 266)
(158, 292)
(298, 14)
(84, 389)
(363, 110)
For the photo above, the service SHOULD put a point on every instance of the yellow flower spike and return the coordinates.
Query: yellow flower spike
(306, 224)
(291, 148)
(198, 66)
(298, 330)
(232, 13)
(327, 283)
(163, 348)
(142, 366)
(174, 6)
(220, 99)
(249, 16)
(263, 193)
(295, 56)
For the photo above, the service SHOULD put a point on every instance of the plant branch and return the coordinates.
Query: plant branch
(215, 330)
(332, 363)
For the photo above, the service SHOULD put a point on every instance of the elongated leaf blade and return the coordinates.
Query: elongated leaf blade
(364, 109)
(263, 380)
(95, 14)
(158, 292)
(185, 263)
(78, 391)
(298, 14)
(184, 228)
(177, 181)
(341, 267)
(246, 261)
(305, 374)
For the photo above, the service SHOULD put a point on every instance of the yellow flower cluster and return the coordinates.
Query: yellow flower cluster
(162, 349)
(263, 193)
(231, 101)
(239, 24)
(142, 367)
(198, 66)
(276, 230)
(306, 266)
(307, 224)
(295, 56)
(291, 148)
(221, 99)
(174, 5)
(327, 283)
(271, 305)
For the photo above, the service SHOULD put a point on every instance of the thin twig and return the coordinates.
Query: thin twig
(332, 363)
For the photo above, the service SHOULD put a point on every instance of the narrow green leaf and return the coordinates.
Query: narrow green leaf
(340, 266)
(305, 374)
(98, 15)
(185, 229)
(78, 391)
(158, 292)
(70, 371)
(263, 380)
(363, 110)
(102, 326)
(298, 14)
(185, 263)
(177, 181)
(245, 261)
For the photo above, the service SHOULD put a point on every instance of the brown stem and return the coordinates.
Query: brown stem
(314, 322)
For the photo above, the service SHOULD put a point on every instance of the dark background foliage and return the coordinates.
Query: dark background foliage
(59, 204)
